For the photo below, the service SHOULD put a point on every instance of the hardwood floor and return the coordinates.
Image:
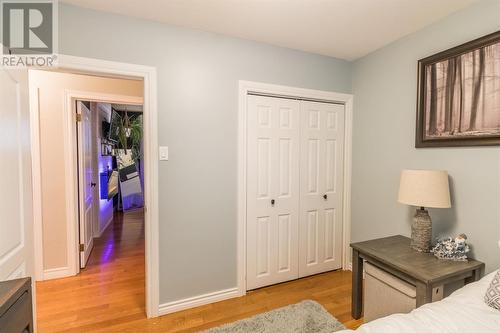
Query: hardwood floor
(108, 296)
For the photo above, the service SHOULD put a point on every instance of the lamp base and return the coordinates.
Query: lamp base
(421, 231)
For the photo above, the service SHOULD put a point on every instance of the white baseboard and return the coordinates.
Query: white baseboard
(195, 301)
(349, 266)
(106, 226)
(56, 273)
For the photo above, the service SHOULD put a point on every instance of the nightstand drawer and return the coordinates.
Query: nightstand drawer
(17, 318)
(386, 294)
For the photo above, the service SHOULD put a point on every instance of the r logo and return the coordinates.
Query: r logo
(27, 27)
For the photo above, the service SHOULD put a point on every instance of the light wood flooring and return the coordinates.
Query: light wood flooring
(108, 295)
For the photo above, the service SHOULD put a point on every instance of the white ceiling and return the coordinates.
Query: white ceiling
(347, 29)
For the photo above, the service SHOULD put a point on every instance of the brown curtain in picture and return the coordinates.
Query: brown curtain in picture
(463, 94)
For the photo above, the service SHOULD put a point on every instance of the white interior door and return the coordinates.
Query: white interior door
(16, 219)
(321, 184)
(86, 182)
(272, 190)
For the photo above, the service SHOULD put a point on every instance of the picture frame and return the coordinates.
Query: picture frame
(107, 147)
(458, 96)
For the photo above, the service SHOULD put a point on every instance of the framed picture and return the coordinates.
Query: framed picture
(459, 96)
(106, 148)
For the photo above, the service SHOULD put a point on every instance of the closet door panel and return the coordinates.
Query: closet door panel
(330, 233)
(321, 179)
(312, 237)
(263, 249)
(284, 243)
(272, 190)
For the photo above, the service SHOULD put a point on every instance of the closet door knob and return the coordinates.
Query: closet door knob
(272, 202)
(325, 196)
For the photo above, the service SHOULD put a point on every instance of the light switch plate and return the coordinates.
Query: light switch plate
(163, 153)
(499, 243)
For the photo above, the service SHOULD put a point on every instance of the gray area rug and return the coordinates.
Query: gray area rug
(304, 317)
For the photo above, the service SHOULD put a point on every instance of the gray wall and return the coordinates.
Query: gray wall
(384, 85)
(198, 77)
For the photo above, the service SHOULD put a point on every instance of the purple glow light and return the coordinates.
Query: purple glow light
(108, 251)
(105, 163)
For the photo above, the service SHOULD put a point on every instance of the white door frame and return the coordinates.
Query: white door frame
(150, 116)
(276, 90)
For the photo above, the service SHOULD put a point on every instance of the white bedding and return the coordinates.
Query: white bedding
(462, 311)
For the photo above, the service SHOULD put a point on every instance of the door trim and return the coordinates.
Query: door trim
(246, 87)
(104, 68)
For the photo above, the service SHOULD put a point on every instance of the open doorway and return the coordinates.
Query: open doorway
(92, 196)
(110, 168)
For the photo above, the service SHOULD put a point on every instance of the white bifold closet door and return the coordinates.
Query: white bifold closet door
(295, 172)
(272, 190)
(321, 187)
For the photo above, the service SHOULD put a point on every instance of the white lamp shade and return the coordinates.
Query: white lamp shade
(424, 188)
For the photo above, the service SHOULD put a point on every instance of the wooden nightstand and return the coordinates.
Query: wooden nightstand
(423, 270)
(16, 314)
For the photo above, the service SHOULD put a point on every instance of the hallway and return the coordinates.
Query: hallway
(108, 291)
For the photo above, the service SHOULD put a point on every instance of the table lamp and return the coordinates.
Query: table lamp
(423, 188)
